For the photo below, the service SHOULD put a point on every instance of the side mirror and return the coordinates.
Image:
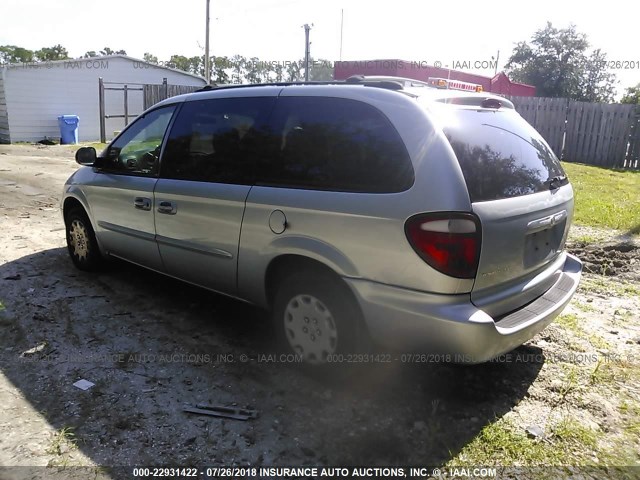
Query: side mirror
(86, 156)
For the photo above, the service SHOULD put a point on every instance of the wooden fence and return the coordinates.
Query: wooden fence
(156, 93)
(600, 134)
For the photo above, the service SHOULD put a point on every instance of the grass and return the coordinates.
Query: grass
(567, 442)
(586, 239)
(572, 323)
(62, 441)
(569, 321)
(574, 435)
(632, 411)
(608, 286)
(500, 443)
(600, 374)
(97, 145)
(605, 198)
(570, 439)
(570, 382)
(598, 342)
(584, 307)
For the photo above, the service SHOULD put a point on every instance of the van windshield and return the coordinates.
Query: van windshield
(500, 154)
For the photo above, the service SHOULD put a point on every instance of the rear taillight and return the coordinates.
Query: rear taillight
(449, 242)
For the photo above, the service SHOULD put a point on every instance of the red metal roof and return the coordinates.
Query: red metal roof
(500, 83)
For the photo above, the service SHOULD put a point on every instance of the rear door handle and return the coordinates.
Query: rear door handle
(166, 207)
(142, 203)
(542, 223)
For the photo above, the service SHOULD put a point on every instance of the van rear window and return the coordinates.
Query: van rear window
(500, 154)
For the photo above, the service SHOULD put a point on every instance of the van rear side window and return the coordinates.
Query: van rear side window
(500, 154)
(215, 141)
(338, 144)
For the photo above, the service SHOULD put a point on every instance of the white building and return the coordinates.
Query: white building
(33, 95)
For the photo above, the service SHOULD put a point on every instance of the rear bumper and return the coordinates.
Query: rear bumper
(451, 325)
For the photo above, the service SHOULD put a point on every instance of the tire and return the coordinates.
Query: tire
(315, 317)
(81, 241)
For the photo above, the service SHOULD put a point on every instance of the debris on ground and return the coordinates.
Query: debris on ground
(534, 431)
(37, 349)
(83, 384)
(224, 412)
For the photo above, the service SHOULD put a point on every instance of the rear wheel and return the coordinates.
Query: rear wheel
(81, 241)
(315, 316)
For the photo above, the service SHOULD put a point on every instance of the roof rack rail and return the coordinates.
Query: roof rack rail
(373, 82)
(364, 81)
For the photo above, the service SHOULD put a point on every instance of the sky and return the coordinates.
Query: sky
(272, 30)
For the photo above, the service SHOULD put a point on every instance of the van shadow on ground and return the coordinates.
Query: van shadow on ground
(151, 344)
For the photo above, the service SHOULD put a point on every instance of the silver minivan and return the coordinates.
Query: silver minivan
(423, 219)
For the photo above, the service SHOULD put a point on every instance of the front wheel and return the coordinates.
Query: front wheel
(315, 316)
(81, 241)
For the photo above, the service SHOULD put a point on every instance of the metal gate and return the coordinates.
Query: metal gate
(151, 94)
(119, 87)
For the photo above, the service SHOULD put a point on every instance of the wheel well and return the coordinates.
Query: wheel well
(69, 204)
(284, 264)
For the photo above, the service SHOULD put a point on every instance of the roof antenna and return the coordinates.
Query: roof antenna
(355, 79)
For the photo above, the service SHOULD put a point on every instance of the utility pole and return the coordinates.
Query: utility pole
(207, 68)
(307, 28)
(341, 30)
(497, 59)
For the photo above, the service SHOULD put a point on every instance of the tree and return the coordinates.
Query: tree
(150, 58)
(278, 71)
(90, 54)
(597, 85)
(13, 54)
(238, 63)
(190, 65)
(254, 73)
(632, 95)
(180, 62)
(196, 65)
(108, 51)
(294, 71)
(320, 70)
(220, 66)
(46, 54)
(556, 63)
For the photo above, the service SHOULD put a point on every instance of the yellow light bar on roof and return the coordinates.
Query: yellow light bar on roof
(454, 84)
(437, 82)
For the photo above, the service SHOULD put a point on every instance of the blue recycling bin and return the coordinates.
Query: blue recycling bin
(68, 128)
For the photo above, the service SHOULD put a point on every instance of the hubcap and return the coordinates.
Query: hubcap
(79, 239)
(310, 328)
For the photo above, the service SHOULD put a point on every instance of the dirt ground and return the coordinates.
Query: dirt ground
(152, 345)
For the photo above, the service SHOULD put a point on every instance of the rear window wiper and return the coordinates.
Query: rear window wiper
(557, 181)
